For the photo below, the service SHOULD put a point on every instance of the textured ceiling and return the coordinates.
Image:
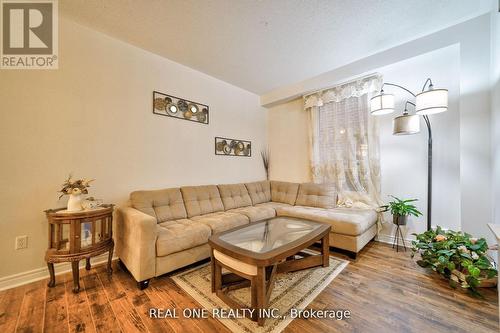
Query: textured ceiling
(262, 45)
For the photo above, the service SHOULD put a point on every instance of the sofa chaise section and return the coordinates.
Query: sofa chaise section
(352, 228)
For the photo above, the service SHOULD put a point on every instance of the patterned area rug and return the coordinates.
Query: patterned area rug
(291, 290)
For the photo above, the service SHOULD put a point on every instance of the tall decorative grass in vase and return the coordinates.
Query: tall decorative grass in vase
(265, 161)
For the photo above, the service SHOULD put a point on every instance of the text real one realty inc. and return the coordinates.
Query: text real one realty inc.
(242, 313)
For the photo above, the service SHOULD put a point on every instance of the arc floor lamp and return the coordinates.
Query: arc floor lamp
(429, 101)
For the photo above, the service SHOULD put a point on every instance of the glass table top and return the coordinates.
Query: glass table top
(268, 235)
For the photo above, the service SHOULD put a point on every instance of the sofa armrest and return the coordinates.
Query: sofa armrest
(136, 242)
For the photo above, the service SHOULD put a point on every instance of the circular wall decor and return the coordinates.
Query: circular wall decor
(232, 147)
(172, 109)
(159, 104)
(202, 117)
(180, 108)
(193, 108)
(182, 105)
(220, 145)
(238, 148)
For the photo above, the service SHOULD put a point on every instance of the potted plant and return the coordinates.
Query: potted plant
(456, 256)
(401, 209)
(75, 189)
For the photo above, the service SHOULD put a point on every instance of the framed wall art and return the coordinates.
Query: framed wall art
(232, 147)
(181, 108)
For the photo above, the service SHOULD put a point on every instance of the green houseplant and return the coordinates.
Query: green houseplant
(401, 209)
(457, 256)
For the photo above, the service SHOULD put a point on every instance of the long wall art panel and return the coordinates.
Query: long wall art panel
(175, 107)
(232, 147)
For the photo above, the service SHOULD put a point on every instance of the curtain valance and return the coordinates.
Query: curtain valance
(355, 88)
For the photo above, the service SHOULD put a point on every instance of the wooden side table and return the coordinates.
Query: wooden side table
(74, 236)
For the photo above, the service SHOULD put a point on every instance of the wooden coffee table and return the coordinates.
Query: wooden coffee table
(256, 252)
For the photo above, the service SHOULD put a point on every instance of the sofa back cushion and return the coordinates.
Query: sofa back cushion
(164, 205)
(201, 200)
(234, 196)
(317, 195)
(259, 192)
(284, 192)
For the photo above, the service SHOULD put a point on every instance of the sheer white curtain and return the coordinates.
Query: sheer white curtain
(344, 142)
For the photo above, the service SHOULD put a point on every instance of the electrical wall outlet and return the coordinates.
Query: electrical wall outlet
(21, 242)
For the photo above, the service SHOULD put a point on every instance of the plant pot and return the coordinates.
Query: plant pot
(75, 203)
(399, 219)
(483, 281)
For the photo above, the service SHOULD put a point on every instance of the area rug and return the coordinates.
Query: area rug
(291, 290)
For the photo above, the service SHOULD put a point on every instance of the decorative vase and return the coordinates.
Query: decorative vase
(484, 282)
(75, 203)
(400, 219)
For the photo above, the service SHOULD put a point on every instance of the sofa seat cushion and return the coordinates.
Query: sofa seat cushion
(179, 235)
(164, 205)
(284, 192)
(346, 221)
(255, 214)
(201, 200)
(259, 192)
(222, 221)
(234, 196)
(273, 205)
(317, 195)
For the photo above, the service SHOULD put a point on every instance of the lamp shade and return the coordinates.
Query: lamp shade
(382, 104)
(431, 101)
(406, 124)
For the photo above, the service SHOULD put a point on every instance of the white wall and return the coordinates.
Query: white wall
(93, 117)
(403, 159)
(475, 128)
(495, 105)
(475, 176)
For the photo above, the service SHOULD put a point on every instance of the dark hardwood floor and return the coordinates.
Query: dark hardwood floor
(384, 290)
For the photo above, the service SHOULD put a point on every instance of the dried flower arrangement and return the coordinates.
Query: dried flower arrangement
(265, 161)
(75, 187)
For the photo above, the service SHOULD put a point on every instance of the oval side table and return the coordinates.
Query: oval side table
(74, 236)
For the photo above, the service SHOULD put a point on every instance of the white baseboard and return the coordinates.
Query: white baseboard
(41, 273)
(389, 239)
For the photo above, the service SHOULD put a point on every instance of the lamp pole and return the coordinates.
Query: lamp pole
(429, 172)
(429, 153)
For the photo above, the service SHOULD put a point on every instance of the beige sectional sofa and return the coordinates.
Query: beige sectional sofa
(167, 229)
